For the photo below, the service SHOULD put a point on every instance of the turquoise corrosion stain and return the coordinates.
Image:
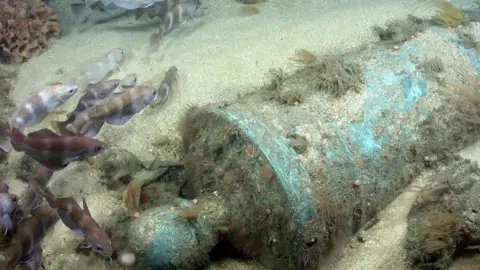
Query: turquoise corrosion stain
(385, 81)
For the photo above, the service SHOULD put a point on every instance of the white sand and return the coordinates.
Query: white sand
(219, 55)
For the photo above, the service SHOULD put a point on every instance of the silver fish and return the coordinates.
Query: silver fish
(36, 107)
(130, 4)
(100, 69)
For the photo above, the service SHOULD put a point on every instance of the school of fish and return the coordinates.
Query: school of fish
(112, 102)
(25, 220)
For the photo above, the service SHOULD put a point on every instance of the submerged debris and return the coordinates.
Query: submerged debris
(332, 74)
(449, 15)
(432, 66)
(398, 31)
(468, 40)
(443, 224)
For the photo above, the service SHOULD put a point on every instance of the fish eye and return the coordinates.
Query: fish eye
(14, 199)
(154, 93)
(98, 148)
(99, 248)
(7, 187)
(71, 91)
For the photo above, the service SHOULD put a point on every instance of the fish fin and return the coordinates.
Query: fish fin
(138, 14)
(54, 83)
(50, 231)
(6, 145)
(155, 41)
(72, 129)
(125, 88)
(76, 233)
(119, 121)
(5, 133)
(43, 133)
(16, 142)
(82, 82)
(49, 197)
(85, 207)
(53, 164)
(6, 221)
(80, 12)
(89, 102)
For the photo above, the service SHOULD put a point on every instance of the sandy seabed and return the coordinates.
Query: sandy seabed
(219, 55)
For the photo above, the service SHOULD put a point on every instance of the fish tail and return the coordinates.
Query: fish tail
(6, 222)
(5, 134)
(60, 127)
(48, 196)
(82, 82)
(17, 139)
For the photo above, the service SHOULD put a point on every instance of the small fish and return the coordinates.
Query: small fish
(82, 125)
(28, 237)
(80, 221)
(31, 197)
(53, 151)
(130, 4)
(166, 86)
(178, 14)
(100, 69)
(82, 11)
(155, 41)
(4, 188)
(97, 91)
(118, 109)
(7, 204)
(36, 107)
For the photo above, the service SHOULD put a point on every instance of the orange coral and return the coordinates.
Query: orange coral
(25, 27)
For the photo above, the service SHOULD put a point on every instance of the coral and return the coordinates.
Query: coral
(25, 27)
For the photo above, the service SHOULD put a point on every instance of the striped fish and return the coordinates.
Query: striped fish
(36, 107)
(120, 108)
(80, 221)
(51, 150)
(100, 69)
(30, 234)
